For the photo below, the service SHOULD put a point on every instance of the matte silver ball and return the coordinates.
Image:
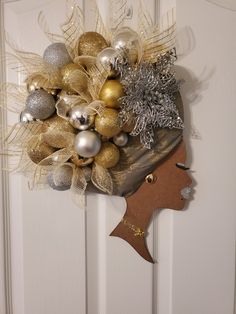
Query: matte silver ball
(129, 40)
(40, 104)
(106, 58)
(26, 117)
(61, 178)
(57, 55)
(80, 117)
(87, 144)
(120, 139)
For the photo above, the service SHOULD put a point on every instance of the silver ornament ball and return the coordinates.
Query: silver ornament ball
(128, 40)
(40, 104)
(80, 117)
(26, 117)
(120, 139)
(57, 55)
(87, 144)
(106, 58)
(61, 178)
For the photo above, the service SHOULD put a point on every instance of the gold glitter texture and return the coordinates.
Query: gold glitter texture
(91, 43)
(107, 123)
(108, 156)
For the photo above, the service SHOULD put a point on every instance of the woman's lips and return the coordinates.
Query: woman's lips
(186, 192)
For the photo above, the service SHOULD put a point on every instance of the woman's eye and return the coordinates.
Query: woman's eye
(182, 166)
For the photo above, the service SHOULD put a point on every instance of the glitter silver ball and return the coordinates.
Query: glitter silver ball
(40, 104)
(26, 117)
(87, 144)
(80, 118)
(120, 139)
(57, 55)
(106, 58)
(61, 178)
(127, 39)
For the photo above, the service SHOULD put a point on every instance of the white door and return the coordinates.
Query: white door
(64, 262)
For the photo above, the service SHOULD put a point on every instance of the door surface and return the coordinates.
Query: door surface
(62, 259)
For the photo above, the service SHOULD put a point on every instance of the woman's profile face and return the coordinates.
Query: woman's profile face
(171, 186)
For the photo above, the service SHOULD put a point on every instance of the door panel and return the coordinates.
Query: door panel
(63, 260)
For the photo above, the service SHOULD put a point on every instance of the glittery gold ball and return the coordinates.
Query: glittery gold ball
(66, 72)
(107, 124)
(108, 156)
(91, 43)
(37, 150)
(57, 123)
(111, 91)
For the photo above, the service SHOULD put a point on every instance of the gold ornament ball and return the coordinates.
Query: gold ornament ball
(107, 124)
(58, 124)
(38, 150)
(66, 72)
(91, 43)
(111, 91)
(108, 156)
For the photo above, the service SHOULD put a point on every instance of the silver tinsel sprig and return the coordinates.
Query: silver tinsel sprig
(150, 94)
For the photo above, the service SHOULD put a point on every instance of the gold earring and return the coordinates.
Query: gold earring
(150, 178)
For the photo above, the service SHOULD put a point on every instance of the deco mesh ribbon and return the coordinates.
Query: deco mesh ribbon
(95, 104)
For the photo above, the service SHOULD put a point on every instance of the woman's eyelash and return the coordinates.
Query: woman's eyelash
(182, 166)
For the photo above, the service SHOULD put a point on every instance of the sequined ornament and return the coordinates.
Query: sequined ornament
(110, 93)
(57, 123)
(108, 156)
(107, 123)
(40, 104)
(57, 55)
(60, 179)
(87, 144)
(128, 40)
(26, 117)
(66, 72)
(121, 139)
(91, 43)
(37, 150)
(80, 117)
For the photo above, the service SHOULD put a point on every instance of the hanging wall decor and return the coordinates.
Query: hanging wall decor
(101, 111)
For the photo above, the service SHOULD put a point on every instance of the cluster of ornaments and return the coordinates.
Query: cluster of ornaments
(98, 136)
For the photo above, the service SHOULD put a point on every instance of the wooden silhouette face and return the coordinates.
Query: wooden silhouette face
(163, 188)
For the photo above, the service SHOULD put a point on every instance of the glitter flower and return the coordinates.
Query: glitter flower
(150, 97)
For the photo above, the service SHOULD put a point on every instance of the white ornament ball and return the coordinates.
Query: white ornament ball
(120, 139)
(61, 178)
(87, 144)
(127, 39)
(80, 117)
(40, 104)
(106, 58)
(57, 55)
